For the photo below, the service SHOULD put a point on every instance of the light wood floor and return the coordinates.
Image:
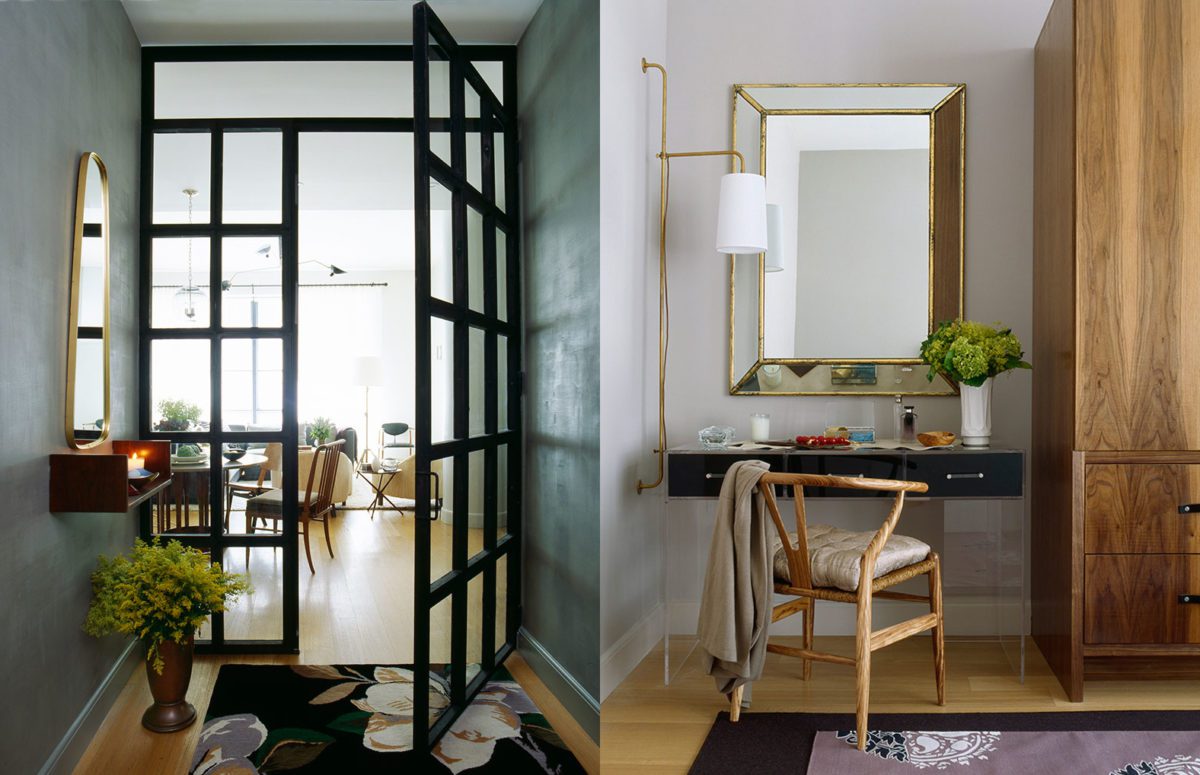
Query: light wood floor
(357, 608)
(650, 728)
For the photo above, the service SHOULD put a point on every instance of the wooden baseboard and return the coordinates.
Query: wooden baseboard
(582, 706)
(70, 748)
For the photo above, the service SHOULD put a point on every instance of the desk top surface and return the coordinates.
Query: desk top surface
(864, 449)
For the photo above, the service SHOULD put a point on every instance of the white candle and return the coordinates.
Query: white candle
(136, 462)
(760, 427)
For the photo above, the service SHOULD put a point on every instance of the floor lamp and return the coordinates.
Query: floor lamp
(741, 228)
(368, 373)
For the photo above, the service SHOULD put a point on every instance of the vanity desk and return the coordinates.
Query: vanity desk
(980, 493)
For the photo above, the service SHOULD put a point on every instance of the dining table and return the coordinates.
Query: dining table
(191, 481)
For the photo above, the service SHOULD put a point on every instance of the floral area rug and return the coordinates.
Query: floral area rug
(358, 719)
(1079, 743)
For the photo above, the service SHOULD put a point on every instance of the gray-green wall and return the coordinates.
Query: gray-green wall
(559, 108)
(69, 82)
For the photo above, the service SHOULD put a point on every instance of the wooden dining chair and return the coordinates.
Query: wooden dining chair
(249, 489)
(883, 560)
(315, 501)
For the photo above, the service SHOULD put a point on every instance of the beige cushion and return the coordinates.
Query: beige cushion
(835, 556)
(342, 484)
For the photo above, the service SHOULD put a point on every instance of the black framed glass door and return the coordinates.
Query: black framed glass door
(468, 396)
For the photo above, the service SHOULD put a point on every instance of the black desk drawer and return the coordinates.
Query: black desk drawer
(864, 465)
(700, 475)
(967, 474)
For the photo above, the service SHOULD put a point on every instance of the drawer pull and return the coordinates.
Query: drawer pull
(1190, 508)
(976, 475)
(714, 476)
(1194, 599)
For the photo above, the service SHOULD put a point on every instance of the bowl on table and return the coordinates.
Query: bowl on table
(936, 438)
(233, 455)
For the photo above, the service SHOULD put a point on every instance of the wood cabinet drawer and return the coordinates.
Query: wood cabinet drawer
(967, 474)
(1141, 598)
(1133, 508)
(700, 475)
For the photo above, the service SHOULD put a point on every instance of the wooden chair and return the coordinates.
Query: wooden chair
(248, 490)
(798, 583)
(314, 506)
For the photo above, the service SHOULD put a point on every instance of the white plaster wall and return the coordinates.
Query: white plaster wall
(630, 524)
(714, 44)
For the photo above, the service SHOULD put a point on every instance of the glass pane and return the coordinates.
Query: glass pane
(475, 620)
(283, 89)
(181, 164)
(439, 87)
(502, 486)
(501, 601)
(441, 369)
(179, 294)
(91, 282)
(441, 242)
(185, 507)
(471, 98)
(498, 165)
(250, 470)
(179, 385)
(474, 161)
(476, 487)
(477, 395)
(475, 289)
(502, 382)
(258, 614)
(252, 180)
(251, 282)
(439, 637)
(89, 390)
(252, 384)
(501, 274)
(441, 530)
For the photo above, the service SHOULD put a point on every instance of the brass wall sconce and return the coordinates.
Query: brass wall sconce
(741, 228)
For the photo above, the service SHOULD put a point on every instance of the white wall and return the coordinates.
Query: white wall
(630, 524)
(712, 45)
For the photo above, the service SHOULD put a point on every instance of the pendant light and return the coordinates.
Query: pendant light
(190, 298)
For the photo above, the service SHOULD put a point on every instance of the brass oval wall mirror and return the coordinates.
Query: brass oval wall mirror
(88, 404)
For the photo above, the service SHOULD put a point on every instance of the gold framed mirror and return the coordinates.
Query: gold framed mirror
(89, 404)
(865, 258)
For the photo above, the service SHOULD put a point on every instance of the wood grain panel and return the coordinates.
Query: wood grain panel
(948, 139)
(1134, 598)
(1138, 349)
(1135, 508)
(1054, 556)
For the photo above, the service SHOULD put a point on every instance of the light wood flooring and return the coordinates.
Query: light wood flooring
(356, 608)
(650, 728)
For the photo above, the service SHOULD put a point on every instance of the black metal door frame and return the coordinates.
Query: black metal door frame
(216, 540)
(432, 41)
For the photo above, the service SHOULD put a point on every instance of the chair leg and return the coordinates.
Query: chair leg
(862, 664)
(735, 703)
(937, 635)
(808, 636)
(307, 551)
(328, 542)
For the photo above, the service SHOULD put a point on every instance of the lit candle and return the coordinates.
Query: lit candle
(136, 462)
(760, 427)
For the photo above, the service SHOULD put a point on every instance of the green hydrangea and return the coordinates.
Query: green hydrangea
(969, 352)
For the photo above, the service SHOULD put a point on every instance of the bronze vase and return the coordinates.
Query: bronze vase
(171, 711)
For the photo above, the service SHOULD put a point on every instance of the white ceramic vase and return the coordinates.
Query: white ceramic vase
(976, 414)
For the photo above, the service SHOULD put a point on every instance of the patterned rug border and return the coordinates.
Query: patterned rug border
(757, 737)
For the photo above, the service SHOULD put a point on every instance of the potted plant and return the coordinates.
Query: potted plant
(161, 594)
(176, 415)
(321, 430)
(971, 354)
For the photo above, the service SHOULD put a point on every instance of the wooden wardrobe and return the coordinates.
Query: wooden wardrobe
(1116, 396)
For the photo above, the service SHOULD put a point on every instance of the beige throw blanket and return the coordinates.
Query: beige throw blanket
(735, 608)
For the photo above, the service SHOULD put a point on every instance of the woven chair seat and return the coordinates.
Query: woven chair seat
(835, 556)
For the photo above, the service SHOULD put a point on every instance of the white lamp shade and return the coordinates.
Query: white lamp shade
(775, 249)
(368, 371)
(742, 215)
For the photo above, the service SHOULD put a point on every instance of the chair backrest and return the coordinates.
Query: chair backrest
(390, 431)
(799, 569)
(326, 458)
(274, 455)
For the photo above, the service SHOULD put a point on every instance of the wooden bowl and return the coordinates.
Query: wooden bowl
(936, 438)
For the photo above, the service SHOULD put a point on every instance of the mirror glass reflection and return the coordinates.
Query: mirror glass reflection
(87, 372)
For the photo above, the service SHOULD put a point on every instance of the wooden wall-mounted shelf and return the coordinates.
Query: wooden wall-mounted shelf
(98, 482)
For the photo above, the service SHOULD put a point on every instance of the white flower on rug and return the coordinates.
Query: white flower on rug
(225, 745)
(390, 703)
(928, 750)
(472, 738)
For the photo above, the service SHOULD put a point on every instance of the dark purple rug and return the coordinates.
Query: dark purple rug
(1099, 743)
